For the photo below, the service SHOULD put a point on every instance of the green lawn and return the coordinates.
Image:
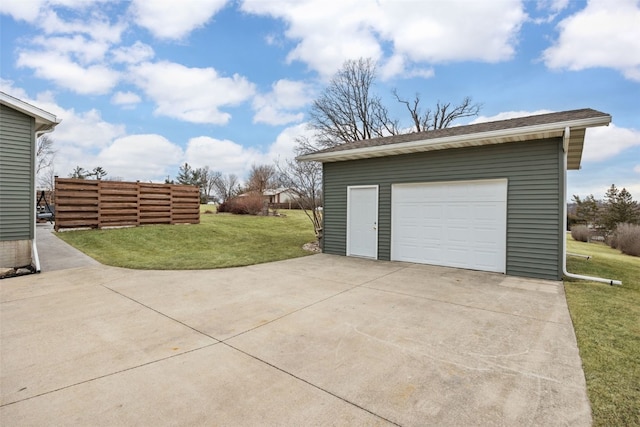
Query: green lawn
(220, 240)
(607, 324)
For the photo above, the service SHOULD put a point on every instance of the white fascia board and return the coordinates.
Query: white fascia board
(471, 139)
(45, 119)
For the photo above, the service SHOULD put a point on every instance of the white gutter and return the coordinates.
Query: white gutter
(565, 147)
(450, 141)
(34, 247)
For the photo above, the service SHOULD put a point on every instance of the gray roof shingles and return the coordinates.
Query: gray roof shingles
(540, 119)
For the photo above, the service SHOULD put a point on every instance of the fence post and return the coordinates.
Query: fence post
(99, 207)
(55, 200)
(171, 196)
(138, 203)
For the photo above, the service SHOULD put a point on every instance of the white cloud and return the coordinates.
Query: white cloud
(93, 79)
(230, 157)
(84, 50)
(637, 169)
(126, 99)
(97, 26)
(604, 34)
(432, 32)
(397, 65)
(284, 145)
(602, 143)
(220, 155)
(72, 51)
(275, 107)
(139, 157)
(86, 129)
(134, 54)
(191, 94)
(453, 31)
(22, 10)
(174, 19)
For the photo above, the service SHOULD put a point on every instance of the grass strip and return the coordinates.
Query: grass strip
(607, 324)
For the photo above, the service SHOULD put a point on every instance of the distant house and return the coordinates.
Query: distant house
(487, 196)
(280, 195)
(20, 125)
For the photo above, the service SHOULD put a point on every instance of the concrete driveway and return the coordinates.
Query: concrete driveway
(319, 340)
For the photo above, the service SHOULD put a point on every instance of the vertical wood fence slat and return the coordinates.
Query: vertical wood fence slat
(98, 204)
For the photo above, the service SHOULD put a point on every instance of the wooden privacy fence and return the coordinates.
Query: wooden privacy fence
(98, 204)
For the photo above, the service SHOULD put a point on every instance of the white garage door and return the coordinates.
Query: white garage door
(455, 224)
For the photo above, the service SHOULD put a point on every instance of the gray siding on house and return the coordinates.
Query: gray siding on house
(17, 199)
(534, 206)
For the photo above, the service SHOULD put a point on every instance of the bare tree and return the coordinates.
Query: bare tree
(441, 116)
(47, 179)
(261, 177)
(348, 110)
(44, 153)
(227, 187)
(209, 179)
(305, 180)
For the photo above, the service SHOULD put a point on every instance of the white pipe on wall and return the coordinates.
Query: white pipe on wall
(565, 147)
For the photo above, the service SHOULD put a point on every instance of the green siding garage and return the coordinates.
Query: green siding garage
(487, 197)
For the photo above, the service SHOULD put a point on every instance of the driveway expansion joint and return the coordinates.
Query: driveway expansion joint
(309, 305)
(163, 314)
(131, 368)
(271, 365)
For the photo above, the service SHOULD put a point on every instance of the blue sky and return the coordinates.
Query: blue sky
(144, 86)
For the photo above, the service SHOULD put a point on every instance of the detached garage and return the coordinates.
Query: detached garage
(488, 196)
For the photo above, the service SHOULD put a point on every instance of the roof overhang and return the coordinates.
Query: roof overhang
(543, 131)
(45, 121)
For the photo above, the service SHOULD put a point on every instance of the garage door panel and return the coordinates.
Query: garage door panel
(430, 211)
(485, 237)
(457, 224)
(458, 235)
(484, 211)
(457, 211)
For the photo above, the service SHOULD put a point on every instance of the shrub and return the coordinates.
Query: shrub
(249, 204)
(626, 237)
(580, 233)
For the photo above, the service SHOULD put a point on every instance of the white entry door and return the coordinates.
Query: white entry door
(362, 221)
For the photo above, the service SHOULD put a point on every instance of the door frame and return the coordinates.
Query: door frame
(350, 188)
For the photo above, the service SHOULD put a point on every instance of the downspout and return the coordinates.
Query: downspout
(34, 247)
(565, 148)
